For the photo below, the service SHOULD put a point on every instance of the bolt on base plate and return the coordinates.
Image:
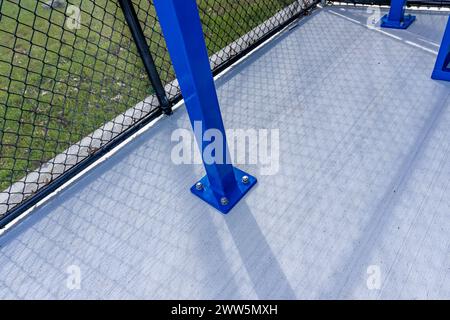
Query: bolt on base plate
(407, 21)
(221, 203)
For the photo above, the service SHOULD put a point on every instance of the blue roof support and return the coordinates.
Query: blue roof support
(224, 185)
(442, 69)
(396, 18)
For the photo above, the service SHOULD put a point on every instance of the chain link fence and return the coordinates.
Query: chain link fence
(73, 83)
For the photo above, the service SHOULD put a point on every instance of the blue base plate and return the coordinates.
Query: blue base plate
(207, 195)
(407, 20)
(441, 75)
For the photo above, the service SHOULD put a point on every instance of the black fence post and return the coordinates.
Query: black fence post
(144, 52)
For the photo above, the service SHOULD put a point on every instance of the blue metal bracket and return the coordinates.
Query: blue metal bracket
(442, 68)
(396, 18)
(223, 186)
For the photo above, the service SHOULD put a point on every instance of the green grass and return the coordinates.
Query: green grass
(58, 85)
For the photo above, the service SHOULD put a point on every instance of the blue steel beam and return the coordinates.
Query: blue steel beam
(396, 18)
(224, 185)
(442, 69)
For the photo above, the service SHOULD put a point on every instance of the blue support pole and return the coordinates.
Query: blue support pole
(396, 18)
(442, 68)
(224, 185)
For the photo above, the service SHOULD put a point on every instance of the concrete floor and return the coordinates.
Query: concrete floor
(360, 207)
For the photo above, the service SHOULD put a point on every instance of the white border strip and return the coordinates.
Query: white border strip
(423, 7)
(385, 33)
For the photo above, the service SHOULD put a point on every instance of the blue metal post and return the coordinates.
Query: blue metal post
(224, 185)
(396, 18)
(442, 69)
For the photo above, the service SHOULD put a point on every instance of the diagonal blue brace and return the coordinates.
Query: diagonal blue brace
(224, 185)
(442, 68)
(396, 18)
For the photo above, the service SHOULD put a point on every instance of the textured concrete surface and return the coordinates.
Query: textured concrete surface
(360, 207)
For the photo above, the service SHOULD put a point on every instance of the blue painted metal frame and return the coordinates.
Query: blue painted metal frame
(223, 185)
(441, 69)
(396, 18)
